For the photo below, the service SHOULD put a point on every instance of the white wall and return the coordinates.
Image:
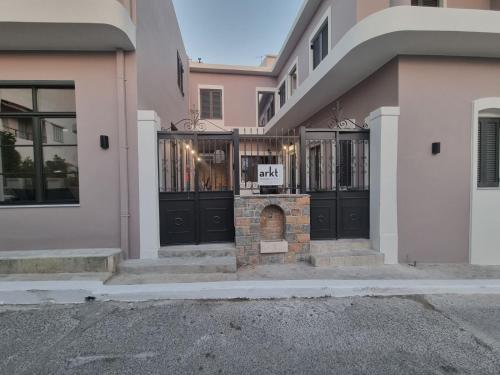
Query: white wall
(148, 126)
(383, 125)
(485, 202)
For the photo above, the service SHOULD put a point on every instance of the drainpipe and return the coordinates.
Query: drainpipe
(123, 152)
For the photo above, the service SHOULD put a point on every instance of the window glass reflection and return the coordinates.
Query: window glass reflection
(60, 166)
(16, 100)
(56, 100)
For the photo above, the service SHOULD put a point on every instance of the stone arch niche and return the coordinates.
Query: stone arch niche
(272, 224)
(272, 230)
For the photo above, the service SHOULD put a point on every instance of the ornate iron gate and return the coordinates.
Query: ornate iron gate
(337, 178)
(197, 187)
(199, 175)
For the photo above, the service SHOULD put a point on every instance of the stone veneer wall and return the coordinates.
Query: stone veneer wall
(247, 211)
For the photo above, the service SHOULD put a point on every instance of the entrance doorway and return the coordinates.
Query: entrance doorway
(196, 187)
(337, 179)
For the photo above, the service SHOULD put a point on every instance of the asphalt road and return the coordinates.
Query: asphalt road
(396, 335)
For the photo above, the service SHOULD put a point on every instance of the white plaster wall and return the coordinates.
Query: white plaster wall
(485, 202)
(148, 126)
(383, 181)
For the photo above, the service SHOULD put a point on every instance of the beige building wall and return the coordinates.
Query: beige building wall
(469, 4)
(239, 105)
(96, 222)
(435, 96)
(158, 41)
(380, 89)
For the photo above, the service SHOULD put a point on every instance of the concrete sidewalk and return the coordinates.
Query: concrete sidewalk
(264, 282)
(304, 271)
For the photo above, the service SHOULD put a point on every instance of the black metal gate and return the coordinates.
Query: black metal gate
(337, 178)
(197, 187)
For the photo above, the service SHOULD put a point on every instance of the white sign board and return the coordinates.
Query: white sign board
(270, 174)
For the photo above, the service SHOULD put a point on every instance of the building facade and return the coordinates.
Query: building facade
(385, 114)
(435, 61)
(71, 72)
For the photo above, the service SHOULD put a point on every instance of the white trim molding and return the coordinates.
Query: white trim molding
(149, 216)
(484, 238)
(65, 25)
(384, 182)
(327, 16)
(219, 123)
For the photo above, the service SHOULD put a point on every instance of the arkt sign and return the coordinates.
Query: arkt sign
(270, 174)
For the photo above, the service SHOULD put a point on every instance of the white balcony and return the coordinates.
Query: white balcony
(65, 25)
(371, 43)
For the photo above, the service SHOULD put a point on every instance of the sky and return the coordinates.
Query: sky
(237, 32)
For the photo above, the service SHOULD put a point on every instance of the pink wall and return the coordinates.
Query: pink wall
(380, 89)
(436, 97)
(469, 4)
(96, 222)
(158, 40)
(365, 8)
(240, 95)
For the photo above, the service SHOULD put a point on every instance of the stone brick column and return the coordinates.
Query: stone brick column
(247, 217)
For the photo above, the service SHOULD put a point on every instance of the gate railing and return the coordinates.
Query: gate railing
(313, 160)
(271, 148)
(336, 161)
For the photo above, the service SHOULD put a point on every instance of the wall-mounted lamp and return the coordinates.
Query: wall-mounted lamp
(436, 148)
(104, 140)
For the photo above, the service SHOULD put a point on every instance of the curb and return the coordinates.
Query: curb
(69, 292)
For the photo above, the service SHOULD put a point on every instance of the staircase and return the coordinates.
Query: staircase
(344, 252)
(183, 261)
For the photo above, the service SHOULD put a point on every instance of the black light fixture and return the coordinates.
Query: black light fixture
(104, 140)
(436, 148)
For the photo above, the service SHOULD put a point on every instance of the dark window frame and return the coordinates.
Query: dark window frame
(211, 109)
(180, 74)
(426, 3)
(293, 78)
(37, 118)
(486, 178)
(282, 93)
(320, 46)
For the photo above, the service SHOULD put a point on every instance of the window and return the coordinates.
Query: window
(266, 105)
(426, 3)
(271, 109)
(292, 80)
(211, 104)
(180, 74)
(282, 94)
(488, 160)
(38, 145)
(319, 45)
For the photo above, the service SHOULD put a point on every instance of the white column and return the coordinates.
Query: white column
(383, 181)
(149, 216)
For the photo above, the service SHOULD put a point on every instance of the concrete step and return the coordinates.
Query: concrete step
(180, 265)
(347, 258)
(167, 278)
(212, 250)
(59, 261)
(340, 245)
